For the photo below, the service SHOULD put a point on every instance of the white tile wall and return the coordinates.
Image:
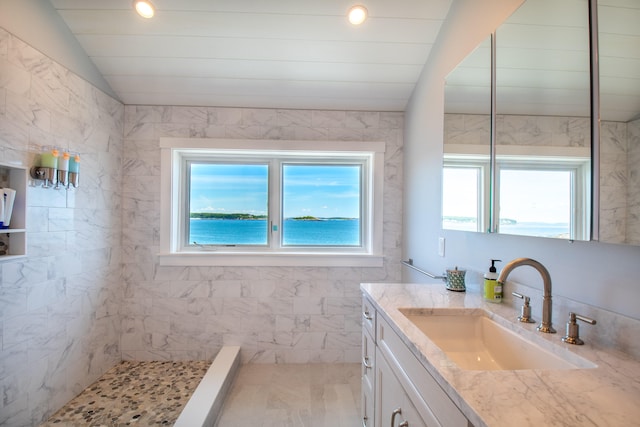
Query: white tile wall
(59, 321)
(91, 292)
(633, 196)
(281, 315)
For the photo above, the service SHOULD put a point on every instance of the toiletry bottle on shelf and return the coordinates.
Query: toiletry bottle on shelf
(492, 289)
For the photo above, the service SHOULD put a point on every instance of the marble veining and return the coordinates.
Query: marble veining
(59, 306)
(606, 395)
(91, 291)
(134, 393)
(314, 395)
(276, 314)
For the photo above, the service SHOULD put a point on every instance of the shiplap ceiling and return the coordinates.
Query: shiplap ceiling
(259, 53)
(542, 63)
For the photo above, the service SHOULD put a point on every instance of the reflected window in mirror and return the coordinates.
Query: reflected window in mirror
(543, 199)
(463, 196)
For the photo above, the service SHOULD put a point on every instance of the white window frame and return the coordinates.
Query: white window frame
(578, 163)
(579, 168)
(483, 168)
(176, 152)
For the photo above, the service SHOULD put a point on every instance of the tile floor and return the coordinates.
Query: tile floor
(309, 395)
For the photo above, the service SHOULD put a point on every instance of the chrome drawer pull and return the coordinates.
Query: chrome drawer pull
(367, 315)
(365, 362)
(393, 415)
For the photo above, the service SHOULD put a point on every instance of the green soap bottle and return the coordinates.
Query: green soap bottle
(492, 289)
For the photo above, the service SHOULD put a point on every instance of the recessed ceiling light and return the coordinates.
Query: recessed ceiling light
(357, 14)
(144, 8)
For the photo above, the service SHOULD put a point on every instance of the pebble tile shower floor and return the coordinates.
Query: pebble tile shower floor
(134, 393)
(282, 395)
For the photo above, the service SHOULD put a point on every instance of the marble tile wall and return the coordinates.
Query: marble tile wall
(545, 131)
(614, 181)
(276, 314)
(59, 322)
(633, 196)
(620, 156)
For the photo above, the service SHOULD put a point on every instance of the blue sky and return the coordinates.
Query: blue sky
(318, 190)
(526, 196)
(536, 196)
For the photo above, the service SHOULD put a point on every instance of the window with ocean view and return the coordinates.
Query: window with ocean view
(228, 204)
(321, 204)
(294, 201)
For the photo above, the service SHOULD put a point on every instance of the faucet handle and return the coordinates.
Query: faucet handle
(525, 311)
(573, 329)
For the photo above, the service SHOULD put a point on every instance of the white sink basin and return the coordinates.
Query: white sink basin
(473, 341)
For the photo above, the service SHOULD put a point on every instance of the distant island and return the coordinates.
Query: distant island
(467, 219)
(314, 218)
(251, 217)
(235, 216)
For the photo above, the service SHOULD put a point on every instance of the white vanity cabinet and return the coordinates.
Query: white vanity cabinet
(404, 392)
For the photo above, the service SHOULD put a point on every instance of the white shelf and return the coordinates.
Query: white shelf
(12, 230)
(15, 236)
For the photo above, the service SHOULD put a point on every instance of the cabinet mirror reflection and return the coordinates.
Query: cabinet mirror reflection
(542, 127)
(619, 54)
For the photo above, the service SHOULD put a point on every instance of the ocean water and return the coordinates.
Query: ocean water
(536, 229)
(539, 229)
(295, 233)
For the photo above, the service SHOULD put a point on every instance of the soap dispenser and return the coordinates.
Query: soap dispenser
(492, 289)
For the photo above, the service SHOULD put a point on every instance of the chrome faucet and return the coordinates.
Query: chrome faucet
(545, 324)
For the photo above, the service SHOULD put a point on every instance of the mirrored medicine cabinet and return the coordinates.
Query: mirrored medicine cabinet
(519, 129)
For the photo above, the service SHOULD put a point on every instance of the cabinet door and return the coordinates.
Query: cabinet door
(368, 378)
(393, 406)
(367, 407)
(368, 360)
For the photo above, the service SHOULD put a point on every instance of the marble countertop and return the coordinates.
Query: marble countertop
(607, 395)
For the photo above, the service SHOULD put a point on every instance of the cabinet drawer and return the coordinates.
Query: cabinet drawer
(426, 394)
(368, 317)
(367, 406)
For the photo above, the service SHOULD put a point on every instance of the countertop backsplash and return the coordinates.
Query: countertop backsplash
(612, 331)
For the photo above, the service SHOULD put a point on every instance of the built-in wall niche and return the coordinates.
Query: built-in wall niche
(13, 237)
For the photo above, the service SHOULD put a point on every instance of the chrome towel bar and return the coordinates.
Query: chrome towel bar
(409, 264)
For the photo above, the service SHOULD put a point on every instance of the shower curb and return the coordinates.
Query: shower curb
(203, 408)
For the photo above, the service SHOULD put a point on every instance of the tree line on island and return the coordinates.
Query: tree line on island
(460, 219)
(252, 217)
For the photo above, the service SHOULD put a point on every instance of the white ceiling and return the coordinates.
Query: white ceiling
(542, 63)
(259, 53)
